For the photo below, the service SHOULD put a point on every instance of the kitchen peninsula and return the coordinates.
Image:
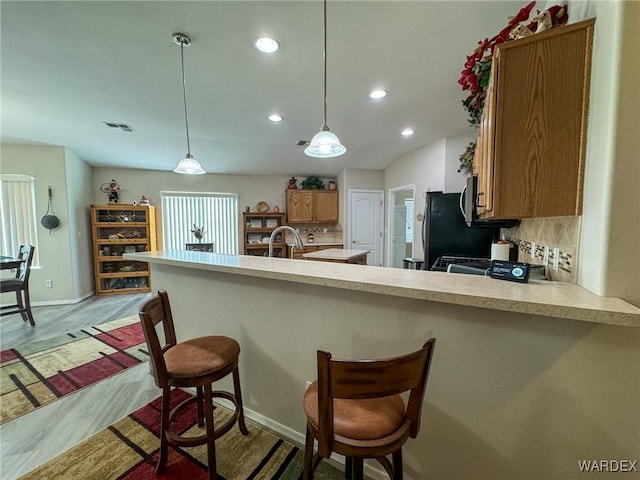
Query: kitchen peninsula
(339, 255)
(526, 379)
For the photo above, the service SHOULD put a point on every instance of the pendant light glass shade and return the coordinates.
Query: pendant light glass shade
(188, 165)
(325, 144)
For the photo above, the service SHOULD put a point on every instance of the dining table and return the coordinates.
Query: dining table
(9, 263)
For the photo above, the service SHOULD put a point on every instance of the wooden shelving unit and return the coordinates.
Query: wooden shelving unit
(118, 229)
(257, 230)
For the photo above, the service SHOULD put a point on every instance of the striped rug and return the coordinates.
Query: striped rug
(40, 372)
(128, 449)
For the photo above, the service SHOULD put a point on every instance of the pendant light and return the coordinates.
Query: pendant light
(325, 144)
(188, 165)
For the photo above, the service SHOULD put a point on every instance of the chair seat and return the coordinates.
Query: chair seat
(359, 419)
(11, 285)
(201, 356)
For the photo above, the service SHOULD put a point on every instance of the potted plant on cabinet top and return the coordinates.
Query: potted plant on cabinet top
(312, 183)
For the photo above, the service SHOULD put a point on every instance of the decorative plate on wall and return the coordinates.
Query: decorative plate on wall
(262, 207)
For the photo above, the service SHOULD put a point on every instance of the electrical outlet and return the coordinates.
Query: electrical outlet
(556, 258)
(533, 249)
(48, 283)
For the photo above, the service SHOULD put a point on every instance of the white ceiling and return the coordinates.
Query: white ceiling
(67, 67)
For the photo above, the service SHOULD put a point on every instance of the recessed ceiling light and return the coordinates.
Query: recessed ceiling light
(267, 45)
(407, 132)
(376, 94)
(274, 117)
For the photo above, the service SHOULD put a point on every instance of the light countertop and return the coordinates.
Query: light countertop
(341, 254)
(538, 297)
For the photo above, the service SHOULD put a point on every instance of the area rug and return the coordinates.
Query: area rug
(40, 372)
(129, 448)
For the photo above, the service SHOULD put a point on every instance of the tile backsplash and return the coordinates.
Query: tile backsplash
(562, 233)
(321, 232)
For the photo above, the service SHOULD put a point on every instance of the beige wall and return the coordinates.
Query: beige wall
(79, 180)
(47, 165)
(135, 183)
(510, 396)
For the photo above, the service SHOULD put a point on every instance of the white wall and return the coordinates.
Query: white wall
(47, 165)
(609, 258)
(455, 181)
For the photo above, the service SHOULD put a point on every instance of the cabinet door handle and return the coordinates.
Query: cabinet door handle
(354, 241)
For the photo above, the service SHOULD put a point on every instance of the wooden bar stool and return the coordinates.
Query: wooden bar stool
(193, 363)
(354, 408)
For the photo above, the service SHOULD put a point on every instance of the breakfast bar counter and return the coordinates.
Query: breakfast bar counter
(526, 379)
(539, 297)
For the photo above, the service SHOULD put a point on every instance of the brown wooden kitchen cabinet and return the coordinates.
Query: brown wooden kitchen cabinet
(530, 150)
(118, 229)
(257, 230)
(312, 206)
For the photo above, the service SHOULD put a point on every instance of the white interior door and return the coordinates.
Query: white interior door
(399, 235)
(365, 223)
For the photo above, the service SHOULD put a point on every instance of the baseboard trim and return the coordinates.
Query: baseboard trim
(63, 302)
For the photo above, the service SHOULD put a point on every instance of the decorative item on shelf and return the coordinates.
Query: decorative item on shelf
(144, 201)
(332, 185)
(544, 21)
(111, 189)
(312, 183)
(276, 209)
(475, 75)
(292, 184)
(198, 232)
(466, 159)
(247, 209)
(262, 207)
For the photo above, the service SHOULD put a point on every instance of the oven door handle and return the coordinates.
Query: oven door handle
(462, 193)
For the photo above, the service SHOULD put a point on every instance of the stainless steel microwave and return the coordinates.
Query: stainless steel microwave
(469, 208)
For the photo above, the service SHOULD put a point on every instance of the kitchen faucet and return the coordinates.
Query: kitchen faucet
(299, 243)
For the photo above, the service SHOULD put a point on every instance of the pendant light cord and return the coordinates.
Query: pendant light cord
(324, 61)
(184, 94)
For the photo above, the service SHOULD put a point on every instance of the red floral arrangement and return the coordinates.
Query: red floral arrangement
(475, 75)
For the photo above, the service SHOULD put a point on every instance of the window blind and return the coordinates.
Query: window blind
(215, 213)
(18, 214)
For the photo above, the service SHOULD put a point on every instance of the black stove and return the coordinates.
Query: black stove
(442, 263)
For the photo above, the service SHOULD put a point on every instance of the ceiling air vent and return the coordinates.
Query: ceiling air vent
(302, 143)
(119, 126)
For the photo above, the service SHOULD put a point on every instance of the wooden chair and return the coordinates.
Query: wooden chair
(354, 409)
(20, 285)
(193, 363)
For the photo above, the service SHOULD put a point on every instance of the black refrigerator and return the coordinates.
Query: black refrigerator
(445, 233)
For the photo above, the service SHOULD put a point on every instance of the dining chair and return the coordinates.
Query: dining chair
(354, 408)
(20, 285)
(195, 363)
